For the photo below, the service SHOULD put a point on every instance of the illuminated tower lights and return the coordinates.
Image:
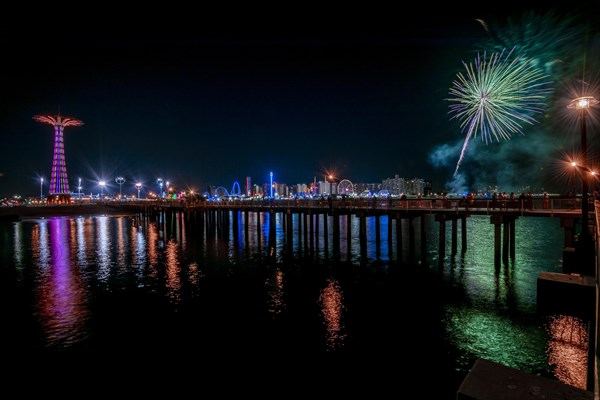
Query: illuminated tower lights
(59, 184)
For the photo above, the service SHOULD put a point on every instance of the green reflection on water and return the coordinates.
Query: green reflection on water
(491, 310)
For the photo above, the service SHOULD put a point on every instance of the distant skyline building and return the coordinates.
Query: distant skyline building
(59, 183)
(302, 188)
(393, 185)
(248, 186)
(414, 186)
(326, 188)
(428, 187)
(361, 188)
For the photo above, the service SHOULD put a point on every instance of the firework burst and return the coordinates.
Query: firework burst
(496, 96)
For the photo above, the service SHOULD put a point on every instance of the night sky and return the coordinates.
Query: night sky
(208, 105)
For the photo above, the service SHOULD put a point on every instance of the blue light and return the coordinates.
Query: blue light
(234, 191)
(271, 174)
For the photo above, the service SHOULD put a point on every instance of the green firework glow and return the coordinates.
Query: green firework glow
(496, 96)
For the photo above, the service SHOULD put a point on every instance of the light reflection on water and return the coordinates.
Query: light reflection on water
(275, 290)
(492, 311)
(332, 306)
(173, 270)
(103, 252)
(486, 311)
(62, 295)
(567, 349)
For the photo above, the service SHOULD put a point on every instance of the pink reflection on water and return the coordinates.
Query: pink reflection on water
(567, 349)
(62, 305)
(332, 306)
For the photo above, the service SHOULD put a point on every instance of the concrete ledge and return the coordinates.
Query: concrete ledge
(488, 380)
(565, 293)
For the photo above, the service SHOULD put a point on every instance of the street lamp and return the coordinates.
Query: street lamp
(138, 186)
(102, 184)
(582, 104)
(120, 181)
(160, 183)
(79, 188)
(167, 183)
(271, 175)
(41, 189)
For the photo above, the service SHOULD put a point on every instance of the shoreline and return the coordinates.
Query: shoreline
(60, 210)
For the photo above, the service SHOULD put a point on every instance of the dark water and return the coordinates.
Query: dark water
(103, 285)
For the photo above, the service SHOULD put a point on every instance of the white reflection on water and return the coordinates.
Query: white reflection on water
(567, 349)
(332, 306)
(138, 252)
(62, 306)
(18, 246)
(81, 242)
(122, 243)
(103, 250)
(39, 245)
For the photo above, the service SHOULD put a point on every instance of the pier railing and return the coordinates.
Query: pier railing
(551, 204)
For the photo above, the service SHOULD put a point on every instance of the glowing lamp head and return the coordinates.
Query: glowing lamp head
(583, 103)
(138, 186)
(102, 183)
(573, 164)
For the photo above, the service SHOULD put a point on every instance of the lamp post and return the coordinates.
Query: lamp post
(160, 183)
(102, 184)
(138, 186)
(271, 175)
(79, 188)
(120, 181)
(582, 104)
(167, 188)
(41, 189)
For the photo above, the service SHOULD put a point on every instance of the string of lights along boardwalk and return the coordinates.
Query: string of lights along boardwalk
(59, 184)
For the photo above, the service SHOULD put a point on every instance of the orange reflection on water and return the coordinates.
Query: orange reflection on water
(194, 273)
(62, 293)
(173, 279)
(331, 300)
(274, 286)
(152, 249)
(567, 349)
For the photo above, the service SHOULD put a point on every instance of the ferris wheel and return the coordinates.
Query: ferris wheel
(345, 187)
(221, 192)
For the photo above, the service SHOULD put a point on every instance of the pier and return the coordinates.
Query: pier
(310, 218)
(304, 221)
